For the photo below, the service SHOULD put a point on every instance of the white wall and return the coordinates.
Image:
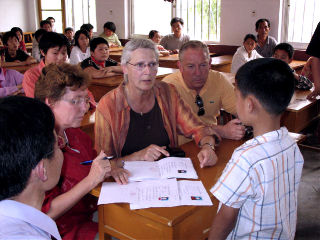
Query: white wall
(18, 13)
(237, 19)
(113, 11)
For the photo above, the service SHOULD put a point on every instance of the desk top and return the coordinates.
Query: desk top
(297, 64)
(23, 69)
(221, 60)
(116, 80)
(115, 49)
(299, 100)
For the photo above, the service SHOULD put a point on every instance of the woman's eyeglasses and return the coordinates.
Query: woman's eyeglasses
(78, 101)
(199, 103)
(141, 66)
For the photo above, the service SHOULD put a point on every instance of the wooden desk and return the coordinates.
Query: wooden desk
(300, 112)
(100, 86)
(222, 63)
(183, 222)
(116, 55)
(297, 65)
(23, 69)
(169, 61)
(115, 49)
(87, 124)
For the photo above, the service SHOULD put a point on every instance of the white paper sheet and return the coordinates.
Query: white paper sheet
(171, 167)
(193, 193)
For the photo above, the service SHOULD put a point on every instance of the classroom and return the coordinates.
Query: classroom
(233, 86)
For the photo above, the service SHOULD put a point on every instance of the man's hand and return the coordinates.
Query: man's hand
(207, 157)
(232, 130)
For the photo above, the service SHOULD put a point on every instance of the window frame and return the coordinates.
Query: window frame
(62, 10)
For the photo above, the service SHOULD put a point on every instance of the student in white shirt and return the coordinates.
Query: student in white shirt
(81, 49)
(245, 53)
(30, 165)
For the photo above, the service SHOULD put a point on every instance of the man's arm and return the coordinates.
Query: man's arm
(232, 130)
(223, 223)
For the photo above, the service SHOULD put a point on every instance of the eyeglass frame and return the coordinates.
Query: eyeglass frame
(61, 146)
(199, 103)
(144, 65)
(77, 102)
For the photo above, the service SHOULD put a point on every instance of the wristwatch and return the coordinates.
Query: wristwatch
(212, 147)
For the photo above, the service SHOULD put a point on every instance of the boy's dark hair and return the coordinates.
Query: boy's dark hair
(16, 29)
(262, 20)
(51, 40)
(285, 47)
(251, 36)
(86, 26)
(175, 20)
(43, 22)
(39, 33)
(50, 18)
(26, 137)
(270, 80)
(111, 26)
(7, 36)
(68, 29)
(96, 41)
(77, 35)
(152, 33)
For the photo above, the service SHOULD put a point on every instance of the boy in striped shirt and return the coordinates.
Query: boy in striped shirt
(259, 186)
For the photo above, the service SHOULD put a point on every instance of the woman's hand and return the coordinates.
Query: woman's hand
(99, 169)
(207, 157)
(119, 174)
(151, 153)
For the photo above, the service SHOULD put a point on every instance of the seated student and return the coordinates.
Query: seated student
(52, 20)
(110, 35)
(259, 186)
(11, 55)
(64, 89)
(266, 43)
(155, 37)
(46, 25)
(18, 31)
(174, 41)
(10, 82)
(81, 50)
(99, 65)
(35, 48)
(284, 52)
(30, 165)
(89, 28)
(245, 53)
(69, 33)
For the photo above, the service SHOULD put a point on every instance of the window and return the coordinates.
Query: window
(299, 21)
(79, 12)
(201, 17)
(52, 8)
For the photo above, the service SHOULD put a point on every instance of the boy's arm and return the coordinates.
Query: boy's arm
(31, 60)
(101, 73)
(223, 223)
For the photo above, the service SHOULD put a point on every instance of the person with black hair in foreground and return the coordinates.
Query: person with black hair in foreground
(30, 165)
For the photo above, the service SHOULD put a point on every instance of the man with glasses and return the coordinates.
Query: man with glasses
(205, 90)
(266, 43)
(30, 165)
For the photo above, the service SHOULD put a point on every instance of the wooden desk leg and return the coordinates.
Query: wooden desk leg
(102, 234)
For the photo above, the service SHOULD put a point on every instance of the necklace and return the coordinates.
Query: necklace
(141, 109)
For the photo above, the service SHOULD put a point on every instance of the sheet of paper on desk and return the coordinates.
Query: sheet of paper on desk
(155, 193)
(170, 167)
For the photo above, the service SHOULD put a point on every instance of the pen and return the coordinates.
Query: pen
(90, 161)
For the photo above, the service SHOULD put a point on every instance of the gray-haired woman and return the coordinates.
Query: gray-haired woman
(137, 120)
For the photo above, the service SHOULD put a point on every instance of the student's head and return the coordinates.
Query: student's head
(47, 25)
(52, 20)
(89, 28)
(82, 38)
(68, 32)
(38, 34)
(194, 64)
(109, 28)
(19, 32)
(270, 81)
(284, 52)
(53, 47)
(250, 42)
(11, 40)
(263, 27)
(28, 146)
(154, 35)
(177, 25)
(64, 88)
(99, 49)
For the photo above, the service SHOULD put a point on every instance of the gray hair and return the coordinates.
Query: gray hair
(134, 44)
(194, 44)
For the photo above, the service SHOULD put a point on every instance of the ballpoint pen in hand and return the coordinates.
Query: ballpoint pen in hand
(90, 161)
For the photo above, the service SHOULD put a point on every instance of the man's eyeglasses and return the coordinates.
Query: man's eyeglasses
(199, 103)
(78, 101)
(141, 66)
(61, 144)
